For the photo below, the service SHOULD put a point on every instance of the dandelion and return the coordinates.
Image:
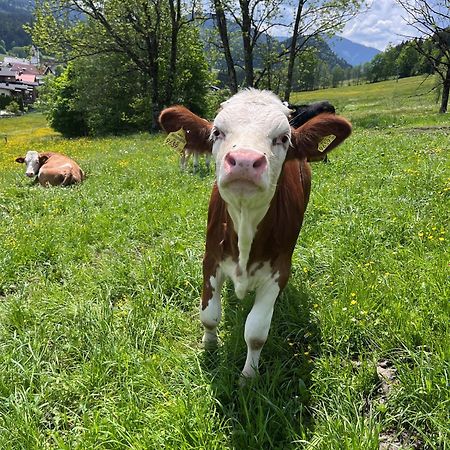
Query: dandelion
(353, 302)
(315, 305)
(420, 233)
(353, 294)
(441, 239)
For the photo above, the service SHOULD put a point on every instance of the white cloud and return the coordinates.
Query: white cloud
(381, 25)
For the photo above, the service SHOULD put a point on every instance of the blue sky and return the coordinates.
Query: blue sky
(381, 25)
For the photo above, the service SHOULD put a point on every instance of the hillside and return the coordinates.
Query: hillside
(13, 15)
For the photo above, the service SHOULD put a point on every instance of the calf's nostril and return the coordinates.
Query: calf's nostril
(230, 160)
(259, 162)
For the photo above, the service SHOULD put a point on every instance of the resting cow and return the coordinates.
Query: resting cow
(52, 169)
(197, 143)
(257, 203)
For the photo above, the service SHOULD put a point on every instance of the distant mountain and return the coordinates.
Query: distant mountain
(350, 51)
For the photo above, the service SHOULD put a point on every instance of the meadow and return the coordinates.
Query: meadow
(100, 285)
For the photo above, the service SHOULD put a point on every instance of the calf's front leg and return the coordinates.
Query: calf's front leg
(257, 325)
(210, 307)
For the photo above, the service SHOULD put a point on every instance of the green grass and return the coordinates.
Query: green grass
(99, 287)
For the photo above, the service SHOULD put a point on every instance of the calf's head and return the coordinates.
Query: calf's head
(33, 162)
(252, 138)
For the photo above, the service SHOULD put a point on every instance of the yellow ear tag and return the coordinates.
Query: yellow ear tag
(325, 142)
(176, 140)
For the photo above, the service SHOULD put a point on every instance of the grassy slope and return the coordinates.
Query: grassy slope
(99, 284)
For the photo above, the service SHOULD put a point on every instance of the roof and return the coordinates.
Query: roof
(6, 72)
(26, 78)
(24, 68)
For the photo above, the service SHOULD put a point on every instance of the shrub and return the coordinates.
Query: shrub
(13, 107)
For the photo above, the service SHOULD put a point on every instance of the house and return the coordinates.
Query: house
(19, 80)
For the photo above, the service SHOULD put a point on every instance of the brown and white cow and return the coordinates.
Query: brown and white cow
(54, 169)
(257, 203)
(197, 142)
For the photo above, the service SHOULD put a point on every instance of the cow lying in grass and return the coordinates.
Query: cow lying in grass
(257, 203)
(51, 169)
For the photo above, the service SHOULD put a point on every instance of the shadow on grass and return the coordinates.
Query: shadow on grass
(270, 411)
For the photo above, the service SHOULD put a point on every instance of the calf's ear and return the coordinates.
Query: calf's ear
(20, 160)
(197, 131)
(318, 136)
(43, 159)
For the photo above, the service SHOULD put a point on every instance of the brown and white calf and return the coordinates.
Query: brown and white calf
(257, 203)
(54, 169)
(197, 142)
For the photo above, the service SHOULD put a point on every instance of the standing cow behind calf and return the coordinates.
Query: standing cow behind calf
(52, 169)
(256, 209)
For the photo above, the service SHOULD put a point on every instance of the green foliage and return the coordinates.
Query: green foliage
(64, 111)
(20, 52)
(112, 95)
(400, 61)
(193, 76)
(5, 100)
(13, 107)
(99, 287)
(137, 36)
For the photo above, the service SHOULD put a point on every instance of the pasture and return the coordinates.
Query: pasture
(100, 285)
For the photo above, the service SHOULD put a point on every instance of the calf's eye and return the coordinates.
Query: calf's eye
(216, 134)
(280, 140)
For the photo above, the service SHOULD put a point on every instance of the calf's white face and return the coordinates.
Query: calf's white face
(32, 163)
(251, 136)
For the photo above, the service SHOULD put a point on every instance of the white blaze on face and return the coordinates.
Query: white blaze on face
(251, 137)
(32, 163)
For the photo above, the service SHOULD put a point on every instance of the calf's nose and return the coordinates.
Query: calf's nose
(29, 174)
(246, 164)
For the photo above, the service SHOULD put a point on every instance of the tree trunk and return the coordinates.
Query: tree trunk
(248, 49)
(223, 31)
(175, 14)
(292, 51)
(445, 92)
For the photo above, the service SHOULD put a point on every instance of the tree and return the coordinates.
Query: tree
(253, 18)
(408, 61)
(431, 20)
(222, 26)
(64, 114)
(146, 33)
(312, 19)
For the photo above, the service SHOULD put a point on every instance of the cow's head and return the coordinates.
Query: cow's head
(252, 138)
(33, 162)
